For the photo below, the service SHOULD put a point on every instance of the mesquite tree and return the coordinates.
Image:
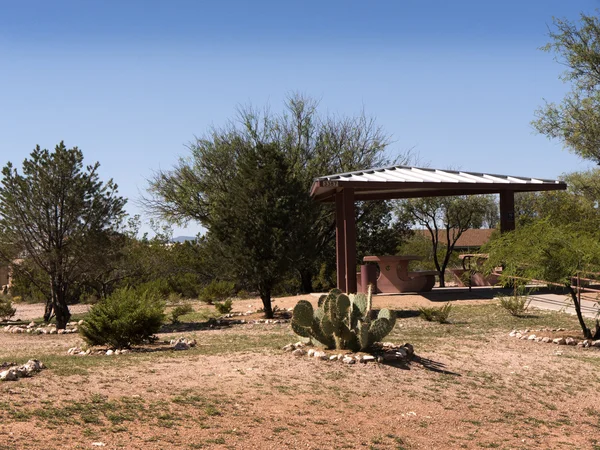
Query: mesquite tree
(53, 213)
(446, 219)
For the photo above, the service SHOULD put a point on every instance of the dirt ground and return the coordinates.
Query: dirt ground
(471, 386)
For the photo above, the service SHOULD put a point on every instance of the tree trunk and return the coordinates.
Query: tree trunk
(59, 304)
(306, 286)
(48, 312)
(442, 278)
(586, 331)
(266, 300)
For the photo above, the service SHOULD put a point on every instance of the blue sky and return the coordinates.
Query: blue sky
(131, 82)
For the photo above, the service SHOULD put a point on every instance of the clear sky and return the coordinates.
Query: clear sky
(130, 82)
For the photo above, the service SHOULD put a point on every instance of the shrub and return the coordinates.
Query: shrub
(6, 309)
(217, 291)
(224, 307)
(181, 310)
(127, 317)
(436, 314)
(342, 321)
(515, 304)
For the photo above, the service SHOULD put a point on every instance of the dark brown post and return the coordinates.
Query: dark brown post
(340, 242)
(350, 236)
(507, 211)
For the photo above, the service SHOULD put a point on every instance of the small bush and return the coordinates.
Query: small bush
(6, 309)
(127, 317)
(179, 311)
(224, 307)
(515, 304)
(217, 291)
(436, 314)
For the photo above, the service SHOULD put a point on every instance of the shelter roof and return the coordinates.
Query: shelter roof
(407, 181)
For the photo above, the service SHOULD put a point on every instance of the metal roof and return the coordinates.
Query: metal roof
(407, 181)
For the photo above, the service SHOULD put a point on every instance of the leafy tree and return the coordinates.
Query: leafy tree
(313, 145)
(576, 120)
(580, 203)
(254, 219)
(545, 251)
(446, 219)
(54, 214)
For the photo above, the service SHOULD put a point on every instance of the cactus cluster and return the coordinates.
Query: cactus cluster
(342, 321)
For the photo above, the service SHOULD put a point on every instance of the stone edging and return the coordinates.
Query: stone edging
(381, 351)
(524, 335)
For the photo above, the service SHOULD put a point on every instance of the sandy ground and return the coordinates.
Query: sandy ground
(487, 391)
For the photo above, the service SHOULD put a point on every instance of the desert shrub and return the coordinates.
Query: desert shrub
(516, 304)
(180, 310)
(224, 307)
(6, 308)
(217, 291)
(433, 314)
(242, 294)
(127, 317)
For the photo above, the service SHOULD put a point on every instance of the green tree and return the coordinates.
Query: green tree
(53, 214)
(542, 250)
(446, 219)
(313, 145)
(253, 220)
(576, 120)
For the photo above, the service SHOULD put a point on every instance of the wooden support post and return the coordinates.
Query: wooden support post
(350, 238)
(507, 211)
(340, 242)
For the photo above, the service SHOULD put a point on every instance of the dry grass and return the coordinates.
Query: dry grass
(471, 387)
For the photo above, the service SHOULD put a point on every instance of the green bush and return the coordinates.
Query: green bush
(515, 304)
(127, 317)
(217, 291)
(6, 309)
(224, 307)
(181, 310)
(434, 314)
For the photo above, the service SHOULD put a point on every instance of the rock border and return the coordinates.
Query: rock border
(14, 372)
(33, 328)
(380, 352)
(176, 344)
(524, 335)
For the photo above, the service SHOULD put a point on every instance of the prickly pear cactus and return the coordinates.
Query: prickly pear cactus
(342, 321)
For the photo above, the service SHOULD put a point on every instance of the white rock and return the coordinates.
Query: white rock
(31, 324)
(532, 337)
(123, 351)
(368, 358)
(596, 343)
(52, 331)
(311, 352)
(333, 358)
(320, 355)
(512, 333)
(181, 345)
(299, 352)
(299, 344)
(80, 322)
(571, 341)
(9, 375)
(348, 360)
(109, 353)
(559, 341)
(288, 348)
(546, 339)
(117, 352)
